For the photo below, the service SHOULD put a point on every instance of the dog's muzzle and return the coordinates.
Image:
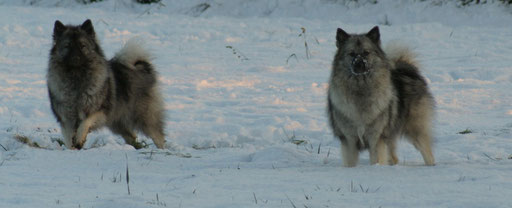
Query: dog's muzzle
(359, 66)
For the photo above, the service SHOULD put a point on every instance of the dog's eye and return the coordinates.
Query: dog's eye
(352, 54)
(366, 53)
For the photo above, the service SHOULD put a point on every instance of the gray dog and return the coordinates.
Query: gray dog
(376, 96)
(88, 92)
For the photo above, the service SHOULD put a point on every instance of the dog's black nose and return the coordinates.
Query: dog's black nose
(359, 65)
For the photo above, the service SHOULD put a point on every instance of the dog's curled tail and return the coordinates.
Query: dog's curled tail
(134, 55)
(399, 52)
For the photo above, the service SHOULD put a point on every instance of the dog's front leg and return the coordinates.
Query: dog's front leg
(68, 132)
(95, 119)
(349, 152)
(378, 151)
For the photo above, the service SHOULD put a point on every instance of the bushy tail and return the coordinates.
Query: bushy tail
(133, 54)
(137, 89)
(399, 52)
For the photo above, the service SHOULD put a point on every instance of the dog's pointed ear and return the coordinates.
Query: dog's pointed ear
(374, 35)
(87, 27)
(341, 37)
(58, 29)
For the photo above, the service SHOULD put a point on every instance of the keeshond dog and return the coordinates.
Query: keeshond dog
(88, 92)
(375, 96)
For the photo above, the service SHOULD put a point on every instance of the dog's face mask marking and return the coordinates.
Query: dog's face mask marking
(358, 57)
(359, 64)
(358, 52)
(74, 44)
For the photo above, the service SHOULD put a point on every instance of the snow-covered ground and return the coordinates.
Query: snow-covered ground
(246, 120)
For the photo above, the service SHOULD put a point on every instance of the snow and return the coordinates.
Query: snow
(246, 120)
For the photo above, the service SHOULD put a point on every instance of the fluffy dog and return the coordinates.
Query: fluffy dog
(375, 96)
(88, 92)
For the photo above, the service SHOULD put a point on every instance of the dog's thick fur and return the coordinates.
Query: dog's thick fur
(88, 92)
(376, 96)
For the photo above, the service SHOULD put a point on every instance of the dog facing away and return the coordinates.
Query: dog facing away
(88, 92)
(375, 96)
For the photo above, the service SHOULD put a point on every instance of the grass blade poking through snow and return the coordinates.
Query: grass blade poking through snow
(289, 57)
(127, 175)
(255, 200)
(293, 205)
(303, 35)
(467, 131)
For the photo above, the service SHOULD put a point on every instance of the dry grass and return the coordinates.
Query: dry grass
(25, 140)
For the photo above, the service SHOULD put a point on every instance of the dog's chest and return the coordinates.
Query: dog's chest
(77, 92)
(362, 108)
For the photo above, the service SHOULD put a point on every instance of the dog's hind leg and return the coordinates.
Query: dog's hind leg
(95, 119)
(422, 142)
(418, 131)
(155, 132)
(153, 126)
(131, 139)
(420, 137)
(123, 129)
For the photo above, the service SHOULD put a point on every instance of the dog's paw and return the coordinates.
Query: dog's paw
(78, 146)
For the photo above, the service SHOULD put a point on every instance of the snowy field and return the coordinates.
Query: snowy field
(245, 103)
